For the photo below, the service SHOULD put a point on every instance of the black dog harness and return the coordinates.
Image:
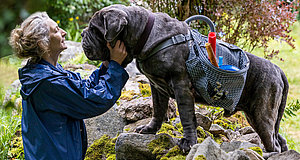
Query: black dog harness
(177, 39)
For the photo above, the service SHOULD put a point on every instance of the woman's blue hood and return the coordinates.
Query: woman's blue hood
(32, 75)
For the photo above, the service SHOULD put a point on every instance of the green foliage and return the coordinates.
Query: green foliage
(9, 124)
(291, 110)
(12, 13)
(248, 24)
(73, 15)
(16, 151)
(62, 10)
(73, 30)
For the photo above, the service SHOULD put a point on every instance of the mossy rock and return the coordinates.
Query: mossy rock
(257, 150)
(200, 157)
(161, 145)
(145, 89)
(169, 129)
(103, 148)
(127, 95)
(200, 132)
(173, 152)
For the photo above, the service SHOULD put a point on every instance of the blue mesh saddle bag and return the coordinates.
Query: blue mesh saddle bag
(220, 88)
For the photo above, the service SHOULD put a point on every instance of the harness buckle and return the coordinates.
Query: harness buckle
(178, 39)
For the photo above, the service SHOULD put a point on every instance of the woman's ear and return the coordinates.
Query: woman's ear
(114, 22)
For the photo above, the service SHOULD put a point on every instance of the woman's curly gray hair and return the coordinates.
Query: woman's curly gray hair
(31, 39)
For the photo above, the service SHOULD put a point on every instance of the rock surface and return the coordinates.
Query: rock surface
(212, 151)
(287, 155)
(133, 146)
(74, 49)
(110, 123)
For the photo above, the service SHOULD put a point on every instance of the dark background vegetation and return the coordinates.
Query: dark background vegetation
(248, 23)
(13, 12)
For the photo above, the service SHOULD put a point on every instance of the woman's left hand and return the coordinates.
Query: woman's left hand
(118, 53)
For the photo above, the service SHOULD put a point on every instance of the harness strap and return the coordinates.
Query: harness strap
(180, 38)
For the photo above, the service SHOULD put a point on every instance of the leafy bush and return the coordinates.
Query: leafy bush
(73, 15)
(291, 110)
(248, 24)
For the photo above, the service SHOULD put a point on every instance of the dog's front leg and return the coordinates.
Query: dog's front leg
(160, 107)
(185, 102)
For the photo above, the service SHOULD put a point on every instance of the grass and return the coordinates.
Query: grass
(10, 121)
(9, 124)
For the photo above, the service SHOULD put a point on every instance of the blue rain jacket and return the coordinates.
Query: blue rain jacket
(56, 101)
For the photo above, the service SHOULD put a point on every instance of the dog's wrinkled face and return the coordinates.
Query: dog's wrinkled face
(105, 26)
(93, 42)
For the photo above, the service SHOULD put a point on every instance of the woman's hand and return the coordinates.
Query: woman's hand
(118, 53)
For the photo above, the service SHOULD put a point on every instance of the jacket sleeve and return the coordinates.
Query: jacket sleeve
(84, 98)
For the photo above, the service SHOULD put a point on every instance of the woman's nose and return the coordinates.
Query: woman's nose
(63, 32)
(83, 32)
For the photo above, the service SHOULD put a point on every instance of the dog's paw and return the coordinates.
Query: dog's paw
(185, 144)
(145, 129)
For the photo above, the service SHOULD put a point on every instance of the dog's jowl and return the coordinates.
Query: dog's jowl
(263, 98)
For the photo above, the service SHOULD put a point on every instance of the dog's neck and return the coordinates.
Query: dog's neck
(145, 35)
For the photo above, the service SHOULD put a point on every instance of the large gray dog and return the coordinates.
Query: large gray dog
(263, 99)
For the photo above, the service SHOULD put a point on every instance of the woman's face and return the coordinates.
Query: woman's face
(57, 37)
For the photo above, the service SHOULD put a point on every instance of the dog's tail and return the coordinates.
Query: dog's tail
(283, 101)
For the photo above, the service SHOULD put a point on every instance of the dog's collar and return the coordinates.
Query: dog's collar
(145, 35)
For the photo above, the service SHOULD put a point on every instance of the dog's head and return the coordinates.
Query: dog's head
(105, 26)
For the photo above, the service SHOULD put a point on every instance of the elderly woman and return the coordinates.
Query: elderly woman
(56, 101)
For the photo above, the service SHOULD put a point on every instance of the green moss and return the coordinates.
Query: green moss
(200, 132)
(160, 145)
(200, 140)
(167, 128)
(219, 138)
(257, 149)
(101, 148)
(228, 124)
(221, 123)
(174, 151)
(127, 129)
(178, 157)
(145, 89)
(111, 157)
(179, 127)
(200, 157)
(127, 95)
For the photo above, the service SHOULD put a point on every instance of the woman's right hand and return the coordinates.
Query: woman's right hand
(118, 53)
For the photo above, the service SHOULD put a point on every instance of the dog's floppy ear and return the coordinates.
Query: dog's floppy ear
(114, 22)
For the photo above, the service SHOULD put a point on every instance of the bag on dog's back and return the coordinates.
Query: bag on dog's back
(220, 88)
